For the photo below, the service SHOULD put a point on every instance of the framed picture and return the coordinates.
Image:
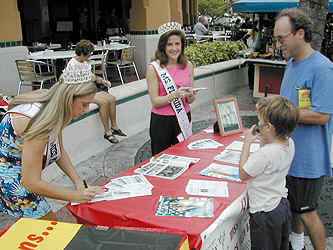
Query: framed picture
(228, 117)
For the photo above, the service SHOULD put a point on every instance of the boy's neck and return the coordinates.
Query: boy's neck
(274, 139)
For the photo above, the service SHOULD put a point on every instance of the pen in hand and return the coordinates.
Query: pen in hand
(85, 184)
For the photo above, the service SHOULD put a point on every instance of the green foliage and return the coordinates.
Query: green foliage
(214, 8)
(212, 52)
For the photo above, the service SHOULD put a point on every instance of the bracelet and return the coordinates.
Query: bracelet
(170, 98)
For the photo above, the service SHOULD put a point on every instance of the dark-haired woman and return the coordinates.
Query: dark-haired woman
(167, 126)
(105, 101)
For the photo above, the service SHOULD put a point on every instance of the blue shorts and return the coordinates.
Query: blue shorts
(270, 230)
(15, 199)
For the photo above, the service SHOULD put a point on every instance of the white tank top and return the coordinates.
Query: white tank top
(52, 151)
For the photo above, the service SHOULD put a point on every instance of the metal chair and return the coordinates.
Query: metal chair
(190, 39)
(126, 61)
(96, 64)
(34, 72)
(99, 63)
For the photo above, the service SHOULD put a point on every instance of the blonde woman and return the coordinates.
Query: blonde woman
(31, 139)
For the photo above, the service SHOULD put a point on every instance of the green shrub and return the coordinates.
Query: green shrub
(212, 52)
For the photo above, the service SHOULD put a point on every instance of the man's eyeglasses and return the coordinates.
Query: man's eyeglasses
(281, 38)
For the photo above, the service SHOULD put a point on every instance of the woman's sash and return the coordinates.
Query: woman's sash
(177, 104)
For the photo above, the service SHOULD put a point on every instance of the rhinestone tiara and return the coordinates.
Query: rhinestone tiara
(77, 74)
(169, 26)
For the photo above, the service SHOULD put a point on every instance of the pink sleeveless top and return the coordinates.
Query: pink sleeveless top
(181, 77)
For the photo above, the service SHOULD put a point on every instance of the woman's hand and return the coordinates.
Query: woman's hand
(107, 83)
(185, 92)
(87, 194)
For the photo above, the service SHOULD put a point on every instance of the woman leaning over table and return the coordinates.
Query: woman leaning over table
(31, 139)
(165, 130)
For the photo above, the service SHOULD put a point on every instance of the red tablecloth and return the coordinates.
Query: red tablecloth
(140, 211)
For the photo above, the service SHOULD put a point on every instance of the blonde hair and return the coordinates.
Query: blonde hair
(56, 111)
(280, 112)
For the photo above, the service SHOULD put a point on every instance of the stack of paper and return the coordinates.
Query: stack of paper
(222, 171)
(166, 166)
(228, 156)
(238, 145)
(207, 188)
(125, 187)
(204, 144)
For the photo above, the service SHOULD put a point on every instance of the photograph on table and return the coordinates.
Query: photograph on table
(228, 117)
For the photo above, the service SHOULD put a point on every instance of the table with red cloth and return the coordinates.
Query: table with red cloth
(228, 229)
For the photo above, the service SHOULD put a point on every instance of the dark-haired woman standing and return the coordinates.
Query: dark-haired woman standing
(170, 82)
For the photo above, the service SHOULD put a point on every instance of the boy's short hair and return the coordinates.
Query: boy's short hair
(280, 112)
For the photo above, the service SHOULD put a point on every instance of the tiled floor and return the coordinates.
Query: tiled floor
(120, 157)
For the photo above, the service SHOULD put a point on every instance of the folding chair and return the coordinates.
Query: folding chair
(34, 72)
(99, 64)
(189, 40)
(126, 61)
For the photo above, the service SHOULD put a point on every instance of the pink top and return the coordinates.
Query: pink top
(182, 79)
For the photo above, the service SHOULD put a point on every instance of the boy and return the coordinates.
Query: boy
(266, 170)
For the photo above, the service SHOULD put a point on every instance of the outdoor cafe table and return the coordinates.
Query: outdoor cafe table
(54, 55)
(228, 229)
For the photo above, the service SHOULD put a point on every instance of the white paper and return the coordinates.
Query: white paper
(124, 187)
(209, 130)
(204, 144)
(222, 171)
(238, 145)
(207, 188)
(229, 156)
(166, 166)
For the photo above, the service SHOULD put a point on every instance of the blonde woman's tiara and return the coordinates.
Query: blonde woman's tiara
(77, 74)
(169, 26)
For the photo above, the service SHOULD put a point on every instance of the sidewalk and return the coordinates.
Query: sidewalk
(120, 157)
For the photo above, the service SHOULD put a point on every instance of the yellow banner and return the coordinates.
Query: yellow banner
(36, 234)
(185, 245)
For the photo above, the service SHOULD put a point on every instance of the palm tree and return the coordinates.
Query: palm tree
(317, 11)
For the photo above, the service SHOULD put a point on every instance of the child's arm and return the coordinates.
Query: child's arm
(250, 137)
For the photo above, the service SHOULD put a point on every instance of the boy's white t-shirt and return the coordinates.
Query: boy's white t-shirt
(269, 166)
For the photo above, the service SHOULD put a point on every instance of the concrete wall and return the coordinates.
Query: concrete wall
(145, 47)
(9, 77)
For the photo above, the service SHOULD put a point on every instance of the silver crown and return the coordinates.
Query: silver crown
(169, 26)
(77, 74)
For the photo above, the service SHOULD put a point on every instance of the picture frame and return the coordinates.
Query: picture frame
(228, 117)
